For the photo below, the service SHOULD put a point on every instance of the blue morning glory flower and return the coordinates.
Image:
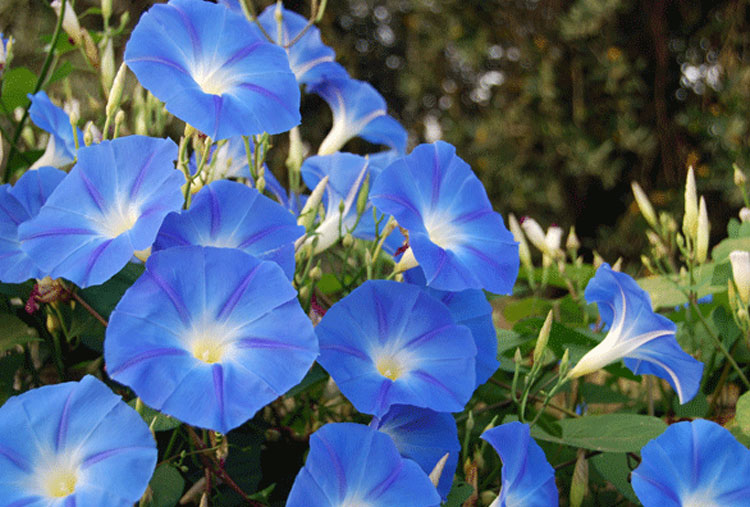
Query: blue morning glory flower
(358, 110)
(309, 58)
(61, 146)
(425, 437)
(226, 161)
(110, 205)
(693, 464)
(469, 308)
(390, 343)
(209, 336)
(74, 443)
(454, 235)
(3, 52)
(351, 464)
(19, 204)
(644, 339)
(527, 478)
(346, 174)
(214, 70)
(231, 215)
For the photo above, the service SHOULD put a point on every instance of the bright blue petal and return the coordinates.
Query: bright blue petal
(358, 110)
(693, 463)
(646, 340)
(61, 148)
(459, 242)
(17, 205)
(209, 336)
(352, 464)
(111, 204)
(390, 343)
(469, 308)
(309, 58)
(79, 427)
(231, 215)
(425, 437)
(214, 70)
(527, 477)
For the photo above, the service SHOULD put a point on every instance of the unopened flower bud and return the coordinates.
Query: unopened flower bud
(115, 93)
(617, 266)
(106, 9)
(552, 240)
(740, 261)
(316, 273)
(347, 241)
(523, 247)
(745, 215)
(598, 259)
(702, 236)
(437, 470)
(541, 341)
(572, 243)
(739, 177)
(70, 20)
(690, 219)
(565, 363)
(535, 233)
(107, 68)
(297, 150)
(310, 210)
(644, 205)
(362, 197)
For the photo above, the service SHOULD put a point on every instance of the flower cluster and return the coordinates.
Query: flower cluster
(225, 316)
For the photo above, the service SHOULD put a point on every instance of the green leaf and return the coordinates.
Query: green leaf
(460, 492)
(613, 467)
(697, 407)
(665, 292)
(17, 82)
(61, 72)
(720, 253)
(161, 422)
(742, 416)
(8, 366)
(166, 485)
(606, 433)
(315, 375)
(526, 307)
(13, 331)
(328, 284)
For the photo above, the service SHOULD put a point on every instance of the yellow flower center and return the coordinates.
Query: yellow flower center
(390, 367)
(60, 483)
(208, 350)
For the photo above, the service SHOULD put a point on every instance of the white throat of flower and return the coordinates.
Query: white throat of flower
(213, 78)
(442, 231)
(210, 341)
(56, 475)
(118, 219)
(394, 362)
(703, 498)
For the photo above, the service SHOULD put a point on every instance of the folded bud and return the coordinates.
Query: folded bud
(644, 205)
(106, 9)
(553, 240)
(745, 215)
(115, 93)
(740, 261)
(690, 219)
(437, 471)
(739, 177)
(704, 229)
(535, 233)
(70, 20)
(572, 243)
(310, 210)
(107, 68)
(523, 247)
(541, 341)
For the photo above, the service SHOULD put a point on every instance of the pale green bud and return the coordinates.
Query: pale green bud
(437, 470)
(739, 177)
(316, 273)
(690, 219)
(702, 236)
(260, 184)
(364, 192)
(309, 211)
(579, 486)
(70, 20)
(535, 233)
(565, 363)
(745, 215)
(297, 150)
(541, 341)
(115, 93)
(106, 9)
(572, 243)
(108, 65)
(347, 241)
(523, 247)
(740, 261)
(644, 205)
(553, 240)
(88, 135)
(617, 266)
(598, 259)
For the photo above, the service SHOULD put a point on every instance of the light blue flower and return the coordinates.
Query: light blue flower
(110, 205)
(72, 444)
(358, 111)
(231, 215)
(693, 464)
(354, 465)
(390, 343)
(309, 58)
(214, 70)
(209, 336)
(528, 480)
(644, 339)
(346, 174)
(19, 204)
(454, 235)
(424, 436)
(469, 308)
(3, 52)
(61, 146)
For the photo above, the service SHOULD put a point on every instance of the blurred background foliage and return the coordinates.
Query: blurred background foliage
(557, 105)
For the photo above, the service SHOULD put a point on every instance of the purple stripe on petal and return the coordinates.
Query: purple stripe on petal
(29, 500)
(381, 488)
(14, 458)
(94, 257)
(400, 201)
(381, 400)
(263, 343)
(145, 356)
(194, 39)
(62, 425)
(338, 468)
(93, 192)
(415, 342)
(101, 456)
(436, 178)
(242, 53)
(259, 235)
(432, 380)
(472, 215)
(346, 350)
(60, 231)
(161, 61)
(70, 501)
(268, 94)
(215, 211)
(217, 113)
(236, 294)
(175, 298)
(218, 374)
(141, 174)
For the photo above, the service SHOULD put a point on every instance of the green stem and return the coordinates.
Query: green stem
(38, 86)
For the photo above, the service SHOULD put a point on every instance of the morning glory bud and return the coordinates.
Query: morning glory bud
(740, 261)
(70, 20)
(739, 177)
(535, 233)
(438, 470)
(523, 246)
(690, 219)
(644, 205)
(362, 200)
(297, 150)
(572, 243)
(106, 9)
(541, 341)
(108, 64)
(115, 93)
(552, 240)
(704, 228)
(88, 136)
(310, 210)
(745, 215)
